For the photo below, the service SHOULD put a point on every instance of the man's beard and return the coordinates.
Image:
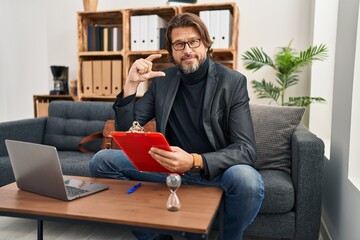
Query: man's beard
(190, 68)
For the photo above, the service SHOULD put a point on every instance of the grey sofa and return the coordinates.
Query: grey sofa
(292, 170)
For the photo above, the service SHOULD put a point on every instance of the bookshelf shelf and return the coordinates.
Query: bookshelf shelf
(95, 53)
(143, 53)
(121, 57)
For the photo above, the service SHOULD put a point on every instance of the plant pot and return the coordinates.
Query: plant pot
(90, 5)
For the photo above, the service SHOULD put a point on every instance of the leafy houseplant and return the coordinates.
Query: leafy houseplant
(287, 64)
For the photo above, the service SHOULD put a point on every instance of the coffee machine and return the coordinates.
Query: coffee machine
(60, 77)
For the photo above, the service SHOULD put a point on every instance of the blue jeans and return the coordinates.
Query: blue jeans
(243, 188)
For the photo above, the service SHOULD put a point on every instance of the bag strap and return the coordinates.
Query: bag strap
(108, 127)
(89, 138)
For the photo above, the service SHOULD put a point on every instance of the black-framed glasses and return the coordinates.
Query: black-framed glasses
(178, 46)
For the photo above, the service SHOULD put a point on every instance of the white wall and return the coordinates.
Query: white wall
(341, 199)
(23, 56)
(41, 33)
(322, 73)
(273, 24)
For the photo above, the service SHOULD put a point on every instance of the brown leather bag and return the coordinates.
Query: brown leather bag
(107, 143)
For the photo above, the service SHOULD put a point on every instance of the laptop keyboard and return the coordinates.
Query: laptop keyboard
(73, 191)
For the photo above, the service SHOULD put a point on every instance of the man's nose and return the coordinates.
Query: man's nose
(187, 48)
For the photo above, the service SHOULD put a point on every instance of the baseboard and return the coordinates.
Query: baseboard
(327, 229)
(324, 231)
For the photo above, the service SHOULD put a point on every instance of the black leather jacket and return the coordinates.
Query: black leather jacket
(226, 114)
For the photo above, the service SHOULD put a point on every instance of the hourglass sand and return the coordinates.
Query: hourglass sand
(173, 181)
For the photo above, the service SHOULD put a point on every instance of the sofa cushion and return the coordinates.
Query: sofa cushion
(273, 226)
(273, 127)
(69, 121)
(75, 163)
(279, 192)
(7, 175)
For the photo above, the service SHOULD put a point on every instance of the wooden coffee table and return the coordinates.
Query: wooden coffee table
(143, 210)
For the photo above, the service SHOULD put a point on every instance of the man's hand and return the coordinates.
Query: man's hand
(176, 161)
(140, 71)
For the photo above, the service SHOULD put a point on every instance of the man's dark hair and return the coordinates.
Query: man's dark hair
(187, 20)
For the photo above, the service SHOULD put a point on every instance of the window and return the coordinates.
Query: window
(322, 72)
(354, 149)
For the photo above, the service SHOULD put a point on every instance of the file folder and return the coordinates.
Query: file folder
(116, 77)
(87, 77)
(106, 77)
(97, 75)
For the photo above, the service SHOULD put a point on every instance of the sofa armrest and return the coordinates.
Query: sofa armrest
(307, 173)
(28, 130)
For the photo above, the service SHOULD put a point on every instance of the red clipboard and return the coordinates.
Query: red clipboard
(136, 146)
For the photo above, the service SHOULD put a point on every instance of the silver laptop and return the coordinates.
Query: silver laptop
(37, 169)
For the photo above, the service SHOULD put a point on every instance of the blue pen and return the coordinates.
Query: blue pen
(133, 188)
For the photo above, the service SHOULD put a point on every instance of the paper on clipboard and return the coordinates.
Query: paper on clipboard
(136, 146)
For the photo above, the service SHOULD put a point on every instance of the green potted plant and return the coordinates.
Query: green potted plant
(287, 64)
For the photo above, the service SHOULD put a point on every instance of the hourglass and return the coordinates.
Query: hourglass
(173, 181)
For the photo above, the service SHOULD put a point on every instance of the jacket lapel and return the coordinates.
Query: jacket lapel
(169, 100)
(210, 90)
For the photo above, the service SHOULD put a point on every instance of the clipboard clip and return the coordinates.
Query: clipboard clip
(136, 128)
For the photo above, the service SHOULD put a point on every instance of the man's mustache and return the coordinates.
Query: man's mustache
(189, 55)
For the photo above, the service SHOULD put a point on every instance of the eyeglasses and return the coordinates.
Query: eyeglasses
(178, 46)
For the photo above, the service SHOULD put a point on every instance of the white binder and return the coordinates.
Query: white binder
(214, 27)
(205, 17)
(135, 33)
(225, 33)
(144, 35)
(117, 38)
(155, 23)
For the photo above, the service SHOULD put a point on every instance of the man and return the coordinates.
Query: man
(202, 108)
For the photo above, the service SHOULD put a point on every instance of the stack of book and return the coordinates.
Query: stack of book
(104, 37)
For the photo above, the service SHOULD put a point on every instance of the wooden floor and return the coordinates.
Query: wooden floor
(26, 229)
